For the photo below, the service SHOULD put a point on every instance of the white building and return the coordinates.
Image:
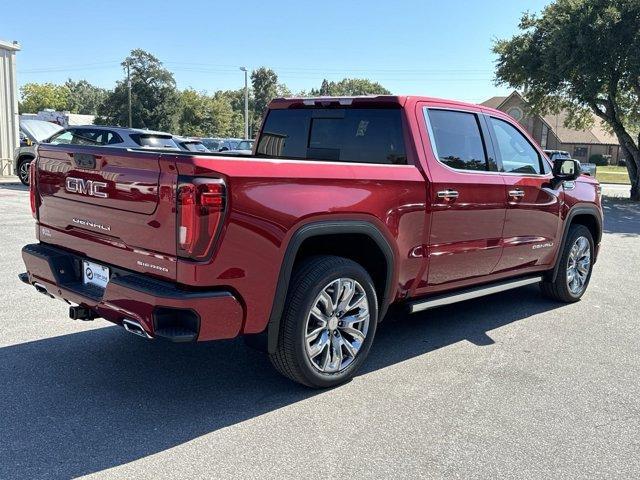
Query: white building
(9, 125)
(64, 119)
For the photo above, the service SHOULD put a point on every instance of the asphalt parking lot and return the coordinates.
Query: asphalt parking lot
(512, 385)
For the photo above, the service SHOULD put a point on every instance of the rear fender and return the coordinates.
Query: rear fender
(325, 228)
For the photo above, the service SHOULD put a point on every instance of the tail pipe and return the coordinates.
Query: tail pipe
(132, 326)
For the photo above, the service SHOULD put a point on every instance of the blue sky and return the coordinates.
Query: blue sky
(436, 48)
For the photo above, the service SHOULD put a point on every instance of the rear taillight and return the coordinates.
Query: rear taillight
(33, 198)
(201, 204)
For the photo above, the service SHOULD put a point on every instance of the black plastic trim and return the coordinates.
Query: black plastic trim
(577, 210)
(60, 259)
(330, 227)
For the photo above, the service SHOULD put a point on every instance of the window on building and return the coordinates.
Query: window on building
(543, 138)
(516, 113)
(580, 152)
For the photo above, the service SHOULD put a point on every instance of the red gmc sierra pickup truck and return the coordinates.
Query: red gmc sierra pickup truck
(345, 207)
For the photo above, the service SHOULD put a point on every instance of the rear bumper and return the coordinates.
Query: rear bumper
(161, 308)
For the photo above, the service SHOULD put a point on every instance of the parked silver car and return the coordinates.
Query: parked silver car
(32, 132)
(100, 135)
(245, 147)
(585, 168)
(221, 144)
(190, 144)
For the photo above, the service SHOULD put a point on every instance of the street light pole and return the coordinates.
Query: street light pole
(246, 103)
(129, 91)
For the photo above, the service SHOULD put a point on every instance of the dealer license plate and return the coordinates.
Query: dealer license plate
(94, 274)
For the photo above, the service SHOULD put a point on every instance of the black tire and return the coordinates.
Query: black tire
(559, 289)
(307, 281)
(23, 170)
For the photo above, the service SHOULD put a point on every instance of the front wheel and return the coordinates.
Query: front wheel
(576, 264)
(328, 323)
(23, 171)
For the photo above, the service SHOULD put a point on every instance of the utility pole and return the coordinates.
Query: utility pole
(129, 88)
(246, 103)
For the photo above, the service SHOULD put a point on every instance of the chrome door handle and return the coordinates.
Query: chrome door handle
(448, 193)
(517, 193)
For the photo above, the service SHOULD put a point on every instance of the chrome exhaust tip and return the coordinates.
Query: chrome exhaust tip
(41, 289)
(132, 326)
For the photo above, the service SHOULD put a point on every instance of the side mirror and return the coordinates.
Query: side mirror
(566, 169)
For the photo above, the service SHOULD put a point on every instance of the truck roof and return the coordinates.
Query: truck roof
(363, 100)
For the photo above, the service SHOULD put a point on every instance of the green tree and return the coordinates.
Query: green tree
(203, 116)
(584, 56)
(83, 97)
(349, 87)
(154, 98)
(235, 98)
(195, 114)
(264, 83)
(38, 96)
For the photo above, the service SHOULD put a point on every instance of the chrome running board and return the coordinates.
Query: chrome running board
(468, 294)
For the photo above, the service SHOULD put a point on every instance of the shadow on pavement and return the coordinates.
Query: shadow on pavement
(82, 403)
(14, 186)
(621, 216)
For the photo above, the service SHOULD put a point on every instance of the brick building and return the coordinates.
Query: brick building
(549, 131)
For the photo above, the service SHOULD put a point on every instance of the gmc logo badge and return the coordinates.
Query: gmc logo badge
(85, 187)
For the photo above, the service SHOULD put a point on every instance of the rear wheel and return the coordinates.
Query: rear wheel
(23, 170)
(575, 267)
(328, 323)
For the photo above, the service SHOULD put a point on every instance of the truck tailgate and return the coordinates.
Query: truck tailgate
(91, 198)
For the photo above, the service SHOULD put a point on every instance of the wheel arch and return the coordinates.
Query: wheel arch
(22, 157)
(317, 230)
(587, 215)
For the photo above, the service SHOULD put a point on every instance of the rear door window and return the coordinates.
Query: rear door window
(85, 136)
(111, 138)
(62, 138)
(457, 139)
(362, 135)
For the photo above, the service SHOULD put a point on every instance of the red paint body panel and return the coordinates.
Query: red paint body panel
(437, 244)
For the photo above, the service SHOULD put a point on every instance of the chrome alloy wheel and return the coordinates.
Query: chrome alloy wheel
(337, 325)
(578, 265)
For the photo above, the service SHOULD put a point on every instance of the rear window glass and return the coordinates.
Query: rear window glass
(458, 139)
(154, 141)
(364, 135)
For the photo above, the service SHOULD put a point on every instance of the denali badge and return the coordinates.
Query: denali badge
(85, 187)
(542, 245)
(89, 223)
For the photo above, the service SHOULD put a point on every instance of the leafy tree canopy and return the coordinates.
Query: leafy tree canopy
(83, 97)
(583, 56)
(202, 115)
(38, 96)
(154, 97)
(348, 87)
